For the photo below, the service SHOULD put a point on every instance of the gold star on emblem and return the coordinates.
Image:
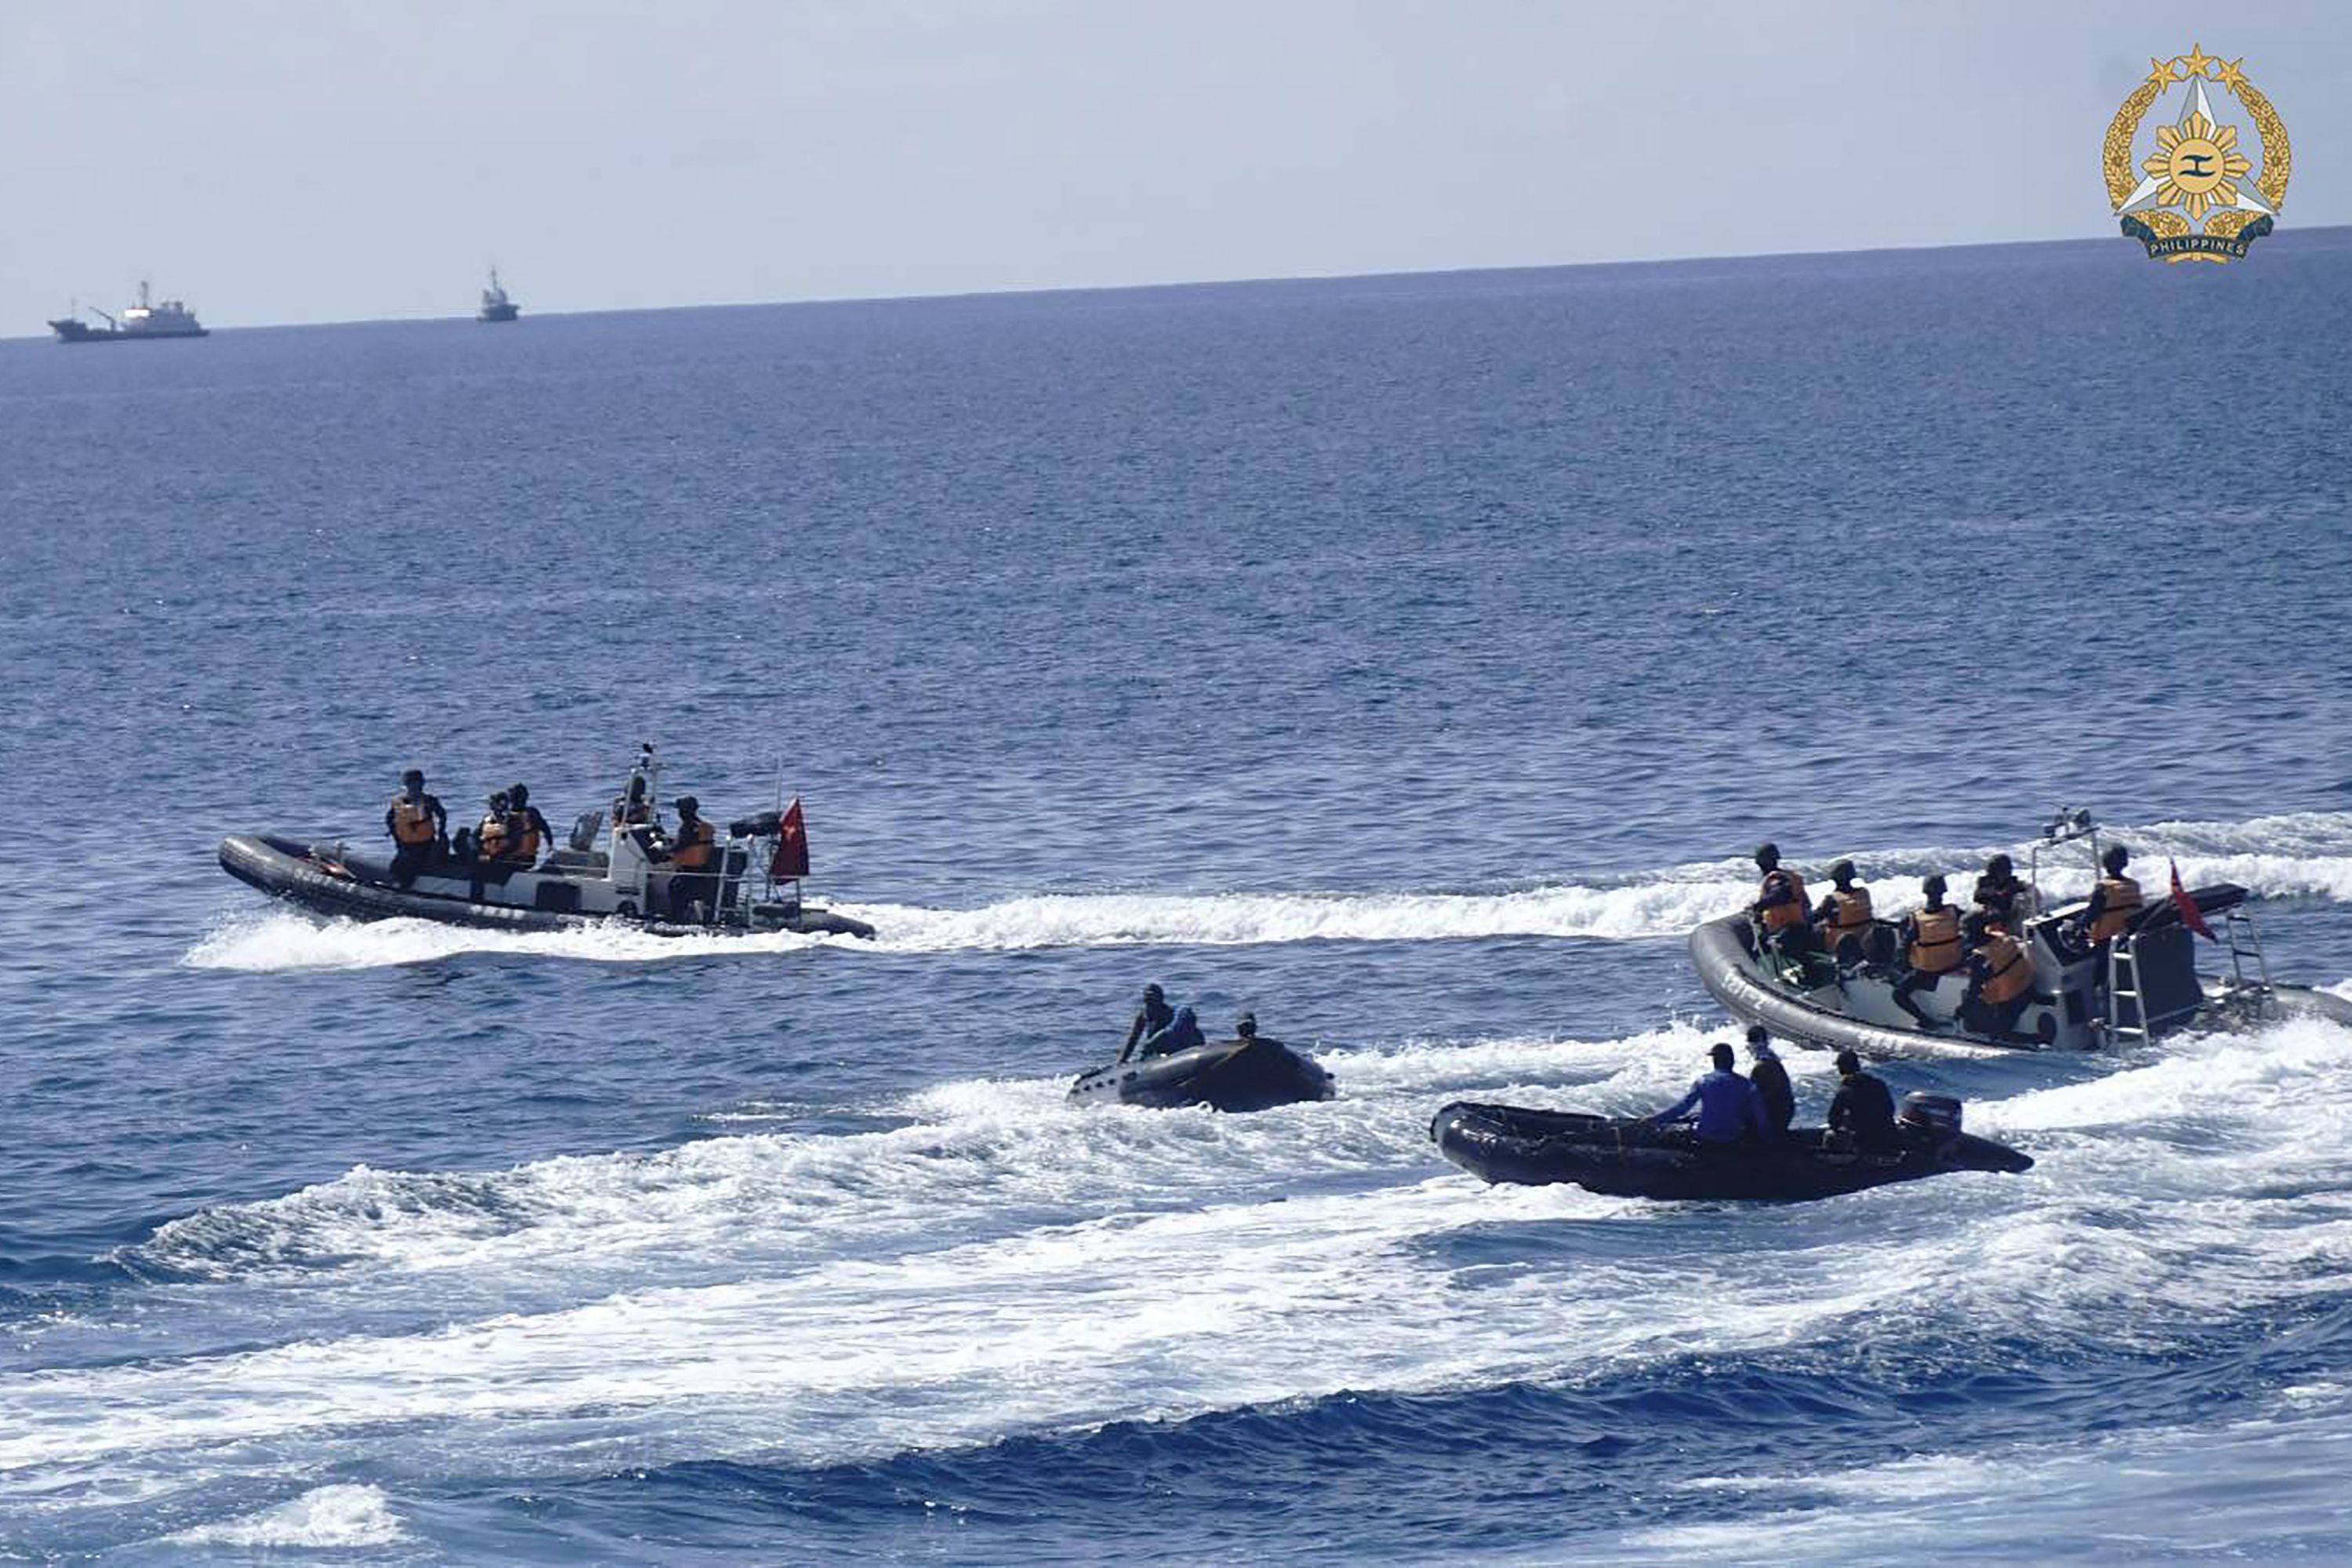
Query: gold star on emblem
(2232, 77)
(2159, 74)
(2196, 60)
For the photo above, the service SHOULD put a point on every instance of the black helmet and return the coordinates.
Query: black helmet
(414, 775)
(689, 804)
(1246, 1026)
(1841, 871)
(1933, 882)
(1153, 994)
(498, 801)
(1999, 866)
(1847, 1061)
(1721, 1055)
(1757, 1035)
(518, 794)
(2116, 859)
(1767, 854)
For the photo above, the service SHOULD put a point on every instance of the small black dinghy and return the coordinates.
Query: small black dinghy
(1633, 1157)
(1224, 1074)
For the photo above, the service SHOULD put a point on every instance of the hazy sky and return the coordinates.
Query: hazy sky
(323, 160)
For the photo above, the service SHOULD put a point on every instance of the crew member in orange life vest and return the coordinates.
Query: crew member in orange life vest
(1931, 945)
(418, 825)
(1779, 907)
(527, 831)
(2001, 979)
(1844, 913)
(2115, 901)
(693, 856)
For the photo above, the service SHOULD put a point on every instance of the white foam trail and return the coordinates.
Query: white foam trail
(324, 1519)
(2304, 854)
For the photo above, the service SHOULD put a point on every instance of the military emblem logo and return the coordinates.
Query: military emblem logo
(2195, 190)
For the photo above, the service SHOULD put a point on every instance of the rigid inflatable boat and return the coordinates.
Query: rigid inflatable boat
(752, 884)
(1224, 1074)
(1633, 1157)
(2137, 986)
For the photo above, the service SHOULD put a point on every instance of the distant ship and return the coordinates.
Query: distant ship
(496, 306)
(147, 319)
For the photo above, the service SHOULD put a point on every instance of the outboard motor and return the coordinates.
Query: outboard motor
(1930, 1112)
(763, 825)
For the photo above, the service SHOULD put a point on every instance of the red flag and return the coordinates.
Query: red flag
(791, 861)
(2189, 916)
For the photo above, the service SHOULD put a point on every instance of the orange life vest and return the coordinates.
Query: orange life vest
(2007, 973)
(1851, 918)
(2121, 903)
(693, 851)
(411, 823)
(492, 837)
(1936, 941)
(1781, 916)
(522, 840)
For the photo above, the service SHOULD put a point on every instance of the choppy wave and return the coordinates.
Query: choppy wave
(1000, 1266)
(323, 1519)
(2301, 855)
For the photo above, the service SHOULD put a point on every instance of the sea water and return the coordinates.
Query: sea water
(1412, 660)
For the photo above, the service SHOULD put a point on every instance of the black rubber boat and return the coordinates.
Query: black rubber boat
(1224, 1074)
(1632, 1158)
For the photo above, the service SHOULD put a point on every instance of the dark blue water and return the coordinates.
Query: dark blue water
(1412, 660)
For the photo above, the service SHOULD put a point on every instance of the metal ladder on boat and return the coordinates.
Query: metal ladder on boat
(2123, 953)
(2245, 943)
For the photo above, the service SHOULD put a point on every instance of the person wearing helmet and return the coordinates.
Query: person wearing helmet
(2001, 979)
(1773, 1090)
(1931, 942)
(1183, 1033)
(2000, 896)
(490, 836)
(2115, 901)
(1779, 907)
(1864, 1108)
(1154, 1015)
(1728, 1108)
(419, 827)
(693, 862)
(1844, 915)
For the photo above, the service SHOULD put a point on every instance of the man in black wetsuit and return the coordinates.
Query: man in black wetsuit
(1998, 893)
(1864, 1109)
(419, 829)
(1771, 1082)
(528, 833)
(1154, 1015)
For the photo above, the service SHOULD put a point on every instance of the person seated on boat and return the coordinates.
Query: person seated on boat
(490, 836)
(1727, 1105)
(1844, 915)
(1154, 1015)
(2000, 896)
(527, 831)
(1862, 1110)
(693, 860)
(1931, 942)
(1183, 1033)
(1771, 1080)
(2001, 979)
(419, 829)
(2115, 901)
(1779, 907)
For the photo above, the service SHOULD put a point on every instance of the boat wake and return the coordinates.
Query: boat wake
(2306, 855)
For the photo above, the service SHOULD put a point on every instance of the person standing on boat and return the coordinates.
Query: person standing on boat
(1729, 1107)
(1154, 1015)
(1864, 1107)
(2000, 896)
(419, 829)
(1931, 937)
(1779, 907)
(693, 856)
(1770, 1078)
(527, 831)
(1844, 914)
(2115, 901)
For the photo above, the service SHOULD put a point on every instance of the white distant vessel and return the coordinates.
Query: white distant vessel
(147, 319)
(496, 306)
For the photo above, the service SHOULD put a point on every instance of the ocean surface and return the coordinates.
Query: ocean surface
(1414, 660)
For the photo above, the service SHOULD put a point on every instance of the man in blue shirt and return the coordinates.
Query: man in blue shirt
(1729, 1108)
